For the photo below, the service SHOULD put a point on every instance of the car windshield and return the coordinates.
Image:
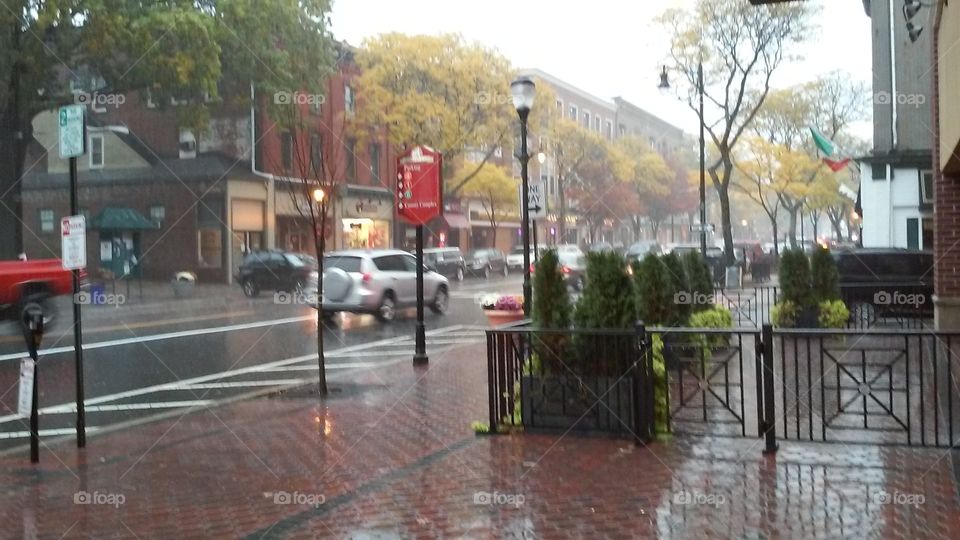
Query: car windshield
(294, 260)
(345, 263)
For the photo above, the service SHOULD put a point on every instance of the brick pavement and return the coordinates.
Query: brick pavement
(392, 456)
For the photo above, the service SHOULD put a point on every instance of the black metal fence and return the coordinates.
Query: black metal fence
(589, 381)
(749, 306)
(872, 386)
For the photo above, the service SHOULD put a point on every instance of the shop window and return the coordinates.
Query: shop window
(46, 220)
(286, 150)
(375, 162)
(210, 244)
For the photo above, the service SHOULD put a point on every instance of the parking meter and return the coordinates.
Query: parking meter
(32, 319)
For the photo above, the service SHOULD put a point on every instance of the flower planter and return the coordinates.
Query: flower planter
(565, 403)
(499, 317)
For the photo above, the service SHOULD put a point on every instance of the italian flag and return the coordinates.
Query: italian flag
(835, 162)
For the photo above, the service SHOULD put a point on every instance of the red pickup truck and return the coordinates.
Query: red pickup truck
(32, 281)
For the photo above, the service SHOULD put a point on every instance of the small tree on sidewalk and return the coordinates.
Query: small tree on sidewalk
(312, 166)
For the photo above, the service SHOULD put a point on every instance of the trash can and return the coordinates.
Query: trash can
(98, 294)
(733, 280)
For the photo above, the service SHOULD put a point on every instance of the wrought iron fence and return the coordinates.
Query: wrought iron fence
(591, 381)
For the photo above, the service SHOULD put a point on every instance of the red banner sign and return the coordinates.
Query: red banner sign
(419, 185)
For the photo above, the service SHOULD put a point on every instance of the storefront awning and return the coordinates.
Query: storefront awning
(121, 219)
(456, 221)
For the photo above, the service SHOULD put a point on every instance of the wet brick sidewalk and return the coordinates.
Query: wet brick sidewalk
(392, 456)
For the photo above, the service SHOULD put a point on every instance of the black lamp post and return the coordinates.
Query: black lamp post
(665, 85)
(524, 90)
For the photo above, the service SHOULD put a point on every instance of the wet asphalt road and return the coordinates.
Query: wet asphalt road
(138, 364)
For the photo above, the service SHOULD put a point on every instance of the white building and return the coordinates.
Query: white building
(897, 201)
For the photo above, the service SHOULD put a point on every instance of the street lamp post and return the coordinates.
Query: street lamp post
(524, 90)
(665, 85)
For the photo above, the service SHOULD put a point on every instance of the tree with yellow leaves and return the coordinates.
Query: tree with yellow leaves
(440, 91)
(494, 188)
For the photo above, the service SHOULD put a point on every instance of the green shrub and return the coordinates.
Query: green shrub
(551, 309)
(678, 277)
(608, 300)
(654, 286)
(795, 277)
(480, 427)
(824, 278)
(833, 314)
(785, 314)
(712, 317)
(700, 278)
(661, 387)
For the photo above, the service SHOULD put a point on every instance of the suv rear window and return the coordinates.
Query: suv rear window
(347, 264)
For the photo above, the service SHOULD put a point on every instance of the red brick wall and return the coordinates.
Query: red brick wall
(170, 249)
(946, 207)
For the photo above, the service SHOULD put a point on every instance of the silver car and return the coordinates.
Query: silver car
(378, 282)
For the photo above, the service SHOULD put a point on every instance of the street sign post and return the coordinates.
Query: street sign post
(536, 200)
(419, 200)
(73, 242)
(696, 227)
(72, 132)
(73, 143)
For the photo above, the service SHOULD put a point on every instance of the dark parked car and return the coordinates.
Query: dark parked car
(447, 261)
(639, 250)
(886, 282)
(274, 271)
(483, 262)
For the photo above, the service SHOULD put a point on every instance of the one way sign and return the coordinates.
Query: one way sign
(536, 200)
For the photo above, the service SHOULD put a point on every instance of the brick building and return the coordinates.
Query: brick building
(210, 197)
(945, 33)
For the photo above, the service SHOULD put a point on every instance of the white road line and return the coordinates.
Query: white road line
(134, 406)
(43, 432)
(161, 337)
(179, 385)
(314, 367)
(243, 384)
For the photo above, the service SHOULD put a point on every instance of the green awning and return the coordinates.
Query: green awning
(121, 219)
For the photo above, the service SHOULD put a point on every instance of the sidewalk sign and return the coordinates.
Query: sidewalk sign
(25, 399)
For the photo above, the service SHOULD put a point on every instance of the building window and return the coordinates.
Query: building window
(913, 233)
(596, 123)
(375, 162)
(316, 154)
(286, 150)
(349, 102)
(574, 113)
(560, 107)
(158, 213)
(96, 151)
(586, 119)
(926, 187)
(609, 129)
(352, 160)
(46, 220)
(927, 232)
(623, 130)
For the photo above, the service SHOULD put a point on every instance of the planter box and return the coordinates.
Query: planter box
(557, 402)
(499, 317)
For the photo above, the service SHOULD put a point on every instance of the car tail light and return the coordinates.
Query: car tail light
(565, 269)
(531, 268)
(367, 277)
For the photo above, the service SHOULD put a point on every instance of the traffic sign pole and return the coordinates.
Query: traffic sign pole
(420, 355)
(77, 322)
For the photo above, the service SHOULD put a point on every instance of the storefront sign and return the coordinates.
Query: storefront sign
(419, 185)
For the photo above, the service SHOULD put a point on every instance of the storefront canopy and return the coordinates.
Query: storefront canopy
(121, 219)
(456, 221)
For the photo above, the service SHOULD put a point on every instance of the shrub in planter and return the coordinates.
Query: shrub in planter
(785, 314)
(824, 278)
(833, 314)
(551, 308)
(655, 292)
(795, 277)
(661, 387)
(608, 301)
(700, 278)
(681, 284)
(713, 317)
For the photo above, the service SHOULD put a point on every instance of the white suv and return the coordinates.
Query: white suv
(378, 282)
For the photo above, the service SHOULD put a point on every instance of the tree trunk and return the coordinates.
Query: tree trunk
(793, 228)
(776, 241)
(320, 245)
(724, 195)
(563, 210)
(12, 155)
